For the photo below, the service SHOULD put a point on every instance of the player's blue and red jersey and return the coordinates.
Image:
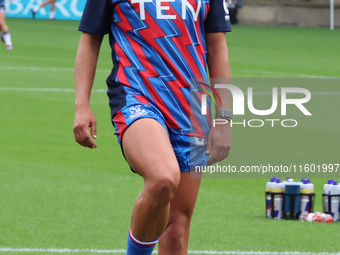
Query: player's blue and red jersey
(158, 46)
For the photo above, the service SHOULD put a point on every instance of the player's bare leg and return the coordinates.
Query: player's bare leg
(175, 239)
(52, 9)
(3, 25)
(5, 35)
(52, 2)
(53, 5)
(148, 151)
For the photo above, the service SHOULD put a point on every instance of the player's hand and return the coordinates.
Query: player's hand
(84, 122)
(219, 143)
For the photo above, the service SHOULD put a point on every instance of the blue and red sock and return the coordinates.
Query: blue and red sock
(135, 247)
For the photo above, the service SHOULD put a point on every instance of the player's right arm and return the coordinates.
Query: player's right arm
(85, 68)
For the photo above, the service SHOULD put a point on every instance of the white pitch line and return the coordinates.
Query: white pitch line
(39, 58)
(53, 69)
(50, 59)
(47, 89)
(104, 90)
(261, 253)
(273, 74)
(283, 73)
(65, 250)
(33, 68)
(292, 93)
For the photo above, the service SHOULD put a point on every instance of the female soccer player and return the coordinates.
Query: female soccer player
(5, 34)
(52, 9)
(158, 46)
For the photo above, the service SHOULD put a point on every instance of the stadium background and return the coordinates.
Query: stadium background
(55, 194)
(65, 9)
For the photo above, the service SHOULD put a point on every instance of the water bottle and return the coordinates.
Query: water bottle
(292, 190)
(319, 217)
(335, 190)
(268, 197)
(306, 188)
(326, 189)
(278, 187)
(288, 180)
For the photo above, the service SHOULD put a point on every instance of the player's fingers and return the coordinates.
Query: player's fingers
(77, 134)
(209, 146)
(88, 142)
(223, 151)
(85, 139)
(94, 129)
(220, 152)
(82, 136)
(213, 158)
(214, 154)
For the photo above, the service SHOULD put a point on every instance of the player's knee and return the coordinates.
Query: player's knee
(164, 187)
(177, 234)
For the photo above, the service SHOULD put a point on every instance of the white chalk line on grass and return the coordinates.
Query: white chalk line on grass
(39, 58)
(292, 93)
(104, 90)
(272, 74)
(64, 250)
(47, 89)
(50, 59)
(53, 69)
(283, 73)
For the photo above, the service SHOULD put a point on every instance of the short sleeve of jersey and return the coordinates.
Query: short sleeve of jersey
(218, 19)
(96, 18)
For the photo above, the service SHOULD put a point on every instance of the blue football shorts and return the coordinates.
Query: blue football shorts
(189, 151)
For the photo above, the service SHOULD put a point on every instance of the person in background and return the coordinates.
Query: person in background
(5, 34)
(52, 9)
(233, 6)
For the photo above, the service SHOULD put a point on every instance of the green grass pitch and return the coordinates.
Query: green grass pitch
(54, 193)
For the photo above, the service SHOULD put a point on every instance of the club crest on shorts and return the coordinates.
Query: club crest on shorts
(136, 112)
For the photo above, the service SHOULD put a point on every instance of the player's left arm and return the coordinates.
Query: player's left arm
(219, 139)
